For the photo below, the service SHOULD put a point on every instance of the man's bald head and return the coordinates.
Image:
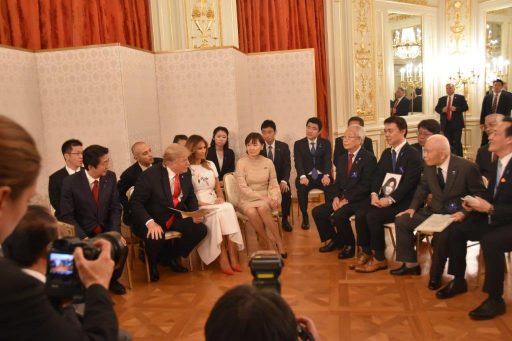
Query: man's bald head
(436, 150)
(142, 153)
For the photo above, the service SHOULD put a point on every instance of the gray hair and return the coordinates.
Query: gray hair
(499, 117)
(358, 130)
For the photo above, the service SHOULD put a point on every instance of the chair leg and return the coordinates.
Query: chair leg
(148, 277)
(128, 269)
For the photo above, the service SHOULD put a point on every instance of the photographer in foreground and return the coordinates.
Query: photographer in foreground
(25, 311)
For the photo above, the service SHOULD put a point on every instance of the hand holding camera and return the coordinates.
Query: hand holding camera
(98, 271)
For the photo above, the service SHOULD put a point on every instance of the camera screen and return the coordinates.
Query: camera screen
(61, 264)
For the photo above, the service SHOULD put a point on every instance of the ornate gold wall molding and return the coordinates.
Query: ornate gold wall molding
(364, 58)
(414, 2)
(458, 23)
(204, 27)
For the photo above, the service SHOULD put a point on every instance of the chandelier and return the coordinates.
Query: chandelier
(492, 46)
(407, 43)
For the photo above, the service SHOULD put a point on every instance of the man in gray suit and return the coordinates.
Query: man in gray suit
(448, 178)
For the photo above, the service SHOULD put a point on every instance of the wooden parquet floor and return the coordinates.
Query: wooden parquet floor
(345, 305)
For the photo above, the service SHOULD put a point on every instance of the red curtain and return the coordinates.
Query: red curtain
(43, 24)
(269, 25)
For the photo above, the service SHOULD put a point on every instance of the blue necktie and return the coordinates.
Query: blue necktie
(498, 177)
(314, 171)
(393, 159)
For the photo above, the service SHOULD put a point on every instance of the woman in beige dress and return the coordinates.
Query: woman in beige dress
(260, 193)
(223, 239)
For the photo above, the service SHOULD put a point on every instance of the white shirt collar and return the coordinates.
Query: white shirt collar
(313, 141)
(399, 147)
(355, 153)
(36, 274)
(444, 165)
(90, 178)
(171, 173)
(70, 171)
(273, 145)
(505, 160)
(143, 167)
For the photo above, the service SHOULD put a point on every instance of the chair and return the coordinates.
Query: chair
(65, 230)
(231, 192)
(390, 227)
(315, 195)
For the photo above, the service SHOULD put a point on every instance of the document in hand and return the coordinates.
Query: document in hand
(435, 223)
(192, 214)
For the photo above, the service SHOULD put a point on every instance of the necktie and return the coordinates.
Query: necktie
(96, 197)
(494, 157)
(440, 178)
(498, 177)
(449, 109)
(393, 159)
(349, 165)
(175, 200)
(270, 155)
(313, 150)
(494, 104)
(314, 171)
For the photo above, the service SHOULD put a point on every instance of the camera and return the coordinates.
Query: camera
(63, 281)
(265, 268)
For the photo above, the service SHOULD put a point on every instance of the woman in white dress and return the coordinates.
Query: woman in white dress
(224, 239)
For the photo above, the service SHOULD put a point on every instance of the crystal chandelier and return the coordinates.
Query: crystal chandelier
(407, 43)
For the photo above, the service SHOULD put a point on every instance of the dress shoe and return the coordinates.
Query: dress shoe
(434, 284)
(372, 265)
(362, 259)
(284, 255)
(154, 276)
(116, 288)
(176, 266)
(404, 271)
(347, 252)
(286, 225)
(330, 246)
(453, 288)
(489, 309)
(305, 222)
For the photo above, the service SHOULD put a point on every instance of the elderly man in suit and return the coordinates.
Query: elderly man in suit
(350, 191)
(451, 109)
(143, 156)
(72, 153)
(401, 105)
(279, 153)
(401, 158)
(448, 178)
(339, 149)
(158, 189)
(90, 202)
(313, 164)
(484, 157)
(498, 101)
(491, 224)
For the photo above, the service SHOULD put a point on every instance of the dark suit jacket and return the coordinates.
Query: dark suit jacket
(152, 197)
(126, 181)
(459, 102)
(409, 164)
(78, 208)
(463, 178)
(282, 160)
(403, 107)
(484, 161)
(418, 147)
(228, 163)
(417, 104)
(304, 160)
(339, 149)
(55, 188)
(504, 105)
(501, 201)
(356, 185)
(26, 312)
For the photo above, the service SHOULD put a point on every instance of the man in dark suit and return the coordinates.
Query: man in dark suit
(350, 191)
(451, 109)
(313, 164)
(401, 105)
(417, 101)
(448, 178)
(90, 202)
(279, 153)
(491, 224)
(401, 159)
(338, 142)
(158, 189)
(72, 153)
(144, 159)
(484, 157)
(426, 128)
(498, 101)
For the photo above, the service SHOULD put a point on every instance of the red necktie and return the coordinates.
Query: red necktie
(394, 107)
(96, 197)
(349, 165)
(494, 104)
(494, 156)
(449, 109)
(175, 200)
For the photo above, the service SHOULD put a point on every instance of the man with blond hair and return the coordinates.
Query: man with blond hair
(157, 190)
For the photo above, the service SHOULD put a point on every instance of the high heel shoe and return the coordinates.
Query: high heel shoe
(227, 271)
(236, 268)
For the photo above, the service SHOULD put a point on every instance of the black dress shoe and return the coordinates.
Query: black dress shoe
(116, 288)
(154, 276)
(305, 223)
(434, 284)
(284, 255)
(287, 226)
(453, 288)
(404, 271)
(347, 252)
(176, 266)
(330, 246)
(489, 309)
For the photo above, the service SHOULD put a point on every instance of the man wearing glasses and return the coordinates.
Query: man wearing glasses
(72, 153)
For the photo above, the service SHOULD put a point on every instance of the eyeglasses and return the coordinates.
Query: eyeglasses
(77, 153)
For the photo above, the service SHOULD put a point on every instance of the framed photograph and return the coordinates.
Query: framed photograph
(390, 183)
